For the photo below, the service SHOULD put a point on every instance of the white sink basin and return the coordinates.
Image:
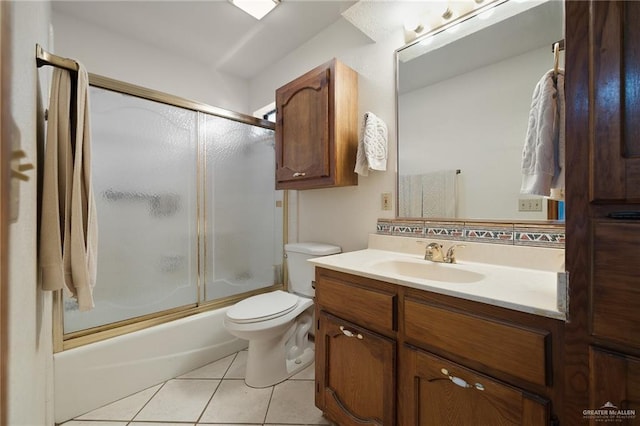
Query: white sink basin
(427, 270)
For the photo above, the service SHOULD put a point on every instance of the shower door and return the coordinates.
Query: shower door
(182, 195)
(243, 211)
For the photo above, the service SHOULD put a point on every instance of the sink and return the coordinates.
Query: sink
(426, 270)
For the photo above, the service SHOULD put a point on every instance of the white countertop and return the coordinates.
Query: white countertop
(533, 291)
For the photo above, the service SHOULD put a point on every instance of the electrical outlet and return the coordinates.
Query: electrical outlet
(386, 201)
(530, 205)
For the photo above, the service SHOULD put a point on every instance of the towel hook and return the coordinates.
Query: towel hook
(556, 58)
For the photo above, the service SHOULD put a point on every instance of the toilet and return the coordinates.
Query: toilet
(277, 324)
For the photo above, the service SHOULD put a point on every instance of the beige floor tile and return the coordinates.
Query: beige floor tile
(293, 402)
(92, 423)
(214, 370)
(234, 401)
(124, 409)
(238, 367)
(308, 373)
(179, 401)
(154, 424)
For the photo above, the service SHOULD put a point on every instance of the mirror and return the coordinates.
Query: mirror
(463, 99)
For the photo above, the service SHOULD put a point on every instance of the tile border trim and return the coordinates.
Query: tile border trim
(550, 235)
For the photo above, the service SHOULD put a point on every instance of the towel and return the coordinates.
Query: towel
(439, 194)
(69, 228)
(372, 147)
(544, 149)
(410, 196)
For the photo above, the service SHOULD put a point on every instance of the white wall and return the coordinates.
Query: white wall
(30, 368)
(343, 216)
(111, 55)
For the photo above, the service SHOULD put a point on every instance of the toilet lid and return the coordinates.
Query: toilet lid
(262, 307)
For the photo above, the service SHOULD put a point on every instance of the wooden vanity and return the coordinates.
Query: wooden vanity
(388, 354)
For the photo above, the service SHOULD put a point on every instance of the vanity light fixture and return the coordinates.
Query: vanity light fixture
(256, 8)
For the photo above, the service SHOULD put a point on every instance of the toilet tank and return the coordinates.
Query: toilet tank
(301, 272)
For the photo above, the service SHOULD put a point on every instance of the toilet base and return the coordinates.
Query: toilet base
(268, 362)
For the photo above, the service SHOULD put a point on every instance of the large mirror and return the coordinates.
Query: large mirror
(463, 98)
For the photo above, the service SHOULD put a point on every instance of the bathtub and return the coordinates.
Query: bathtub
(88, 377)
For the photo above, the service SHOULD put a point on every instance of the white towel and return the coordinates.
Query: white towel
(439, 194)
(544, 148)
(69, 229)
(410, 196)
(372, 147)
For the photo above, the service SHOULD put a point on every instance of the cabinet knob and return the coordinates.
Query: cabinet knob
(299, 174)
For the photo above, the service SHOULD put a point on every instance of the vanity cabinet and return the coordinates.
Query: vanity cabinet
(388, 354)
(317, 129)
(355, 349)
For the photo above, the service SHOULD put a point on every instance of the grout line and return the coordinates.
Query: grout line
(148, 401)
(269, 404)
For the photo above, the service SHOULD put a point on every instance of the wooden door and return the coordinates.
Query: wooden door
(303, 133)
(357, 384)
(603, 186)
(438, 392)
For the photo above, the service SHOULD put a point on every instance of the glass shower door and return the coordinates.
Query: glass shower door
(145, 185)
(243, 211)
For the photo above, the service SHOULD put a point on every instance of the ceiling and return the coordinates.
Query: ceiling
(224, 38)
(214, 33)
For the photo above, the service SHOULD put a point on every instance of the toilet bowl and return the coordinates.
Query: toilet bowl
(277, 323)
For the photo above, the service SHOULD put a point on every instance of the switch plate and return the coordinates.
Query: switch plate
(386, 201)
(530, 205)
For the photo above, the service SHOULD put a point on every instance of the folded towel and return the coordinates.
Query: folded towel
(372, 147)
(439, 194)
(410, 196)
(544, 148)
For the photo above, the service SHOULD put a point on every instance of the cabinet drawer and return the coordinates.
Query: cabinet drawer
(518, 351)
(445, 393)
(372, 308)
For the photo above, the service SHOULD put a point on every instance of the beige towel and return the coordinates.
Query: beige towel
(440, 194)
(69, 228)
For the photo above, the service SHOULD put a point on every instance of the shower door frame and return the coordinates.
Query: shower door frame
(62, 341)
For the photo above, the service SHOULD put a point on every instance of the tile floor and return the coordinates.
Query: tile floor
(214, 395)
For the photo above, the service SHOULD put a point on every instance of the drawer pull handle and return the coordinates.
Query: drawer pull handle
(350, 333)
(299, 174)
(461, 382)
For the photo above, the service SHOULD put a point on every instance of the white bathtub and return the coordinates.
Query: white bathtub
(94, 375)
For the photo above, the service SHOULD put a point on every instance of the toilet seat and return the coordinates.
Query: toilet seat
(263, 307)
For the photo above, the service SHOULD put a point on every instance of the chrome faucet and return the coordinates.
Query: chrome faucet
(433, 253)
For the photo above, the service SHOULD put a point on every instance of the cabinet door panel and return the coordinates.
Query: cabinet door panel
(615, 379)
(615, 143)
(303, 122)
(444, 393)
(357, 382)
(616, 294)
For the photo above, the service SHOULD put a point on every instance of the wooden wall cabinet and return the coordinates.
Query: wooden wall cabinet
(391, 355)
(317, 129)
(602, 343)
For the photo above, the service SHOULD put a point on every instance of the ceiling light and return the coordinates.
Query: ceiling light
(256, 8)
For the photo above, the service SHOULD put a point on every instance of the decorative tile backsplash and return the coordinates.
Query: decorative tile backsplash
(522, 234)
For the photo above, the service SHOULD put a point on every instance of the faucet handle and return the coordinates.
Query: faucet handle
(451, 255)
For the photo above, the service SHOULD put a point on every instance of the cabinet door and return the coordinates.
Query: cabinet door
(355, 380)
(437, 392)
(302, 128)
(614, 388)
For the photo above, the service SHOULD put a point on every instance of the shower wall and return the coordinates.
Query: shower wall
(186, 209)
